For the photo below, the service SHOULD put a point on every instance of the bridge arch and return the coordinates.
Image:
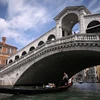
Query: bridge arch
(51, 37)
(10, 61)
(68, 23)
(31, 48)
(40, 43)
(71, 54)
(93, 27)
(16, 57)
(24, 53)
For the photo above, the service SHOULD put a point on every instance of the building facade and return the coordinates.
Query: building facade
(88, 75)
(91, 74)
(98, 72)
(6, 51)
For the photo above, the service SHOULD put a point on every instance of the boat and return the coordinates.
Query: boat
(32, 91)
(80, 82)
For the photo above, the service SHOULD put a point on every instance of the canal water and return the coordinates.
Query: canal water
(85, 91)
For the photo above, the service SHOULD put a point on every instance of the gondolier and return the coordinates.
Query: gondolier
(65, 79)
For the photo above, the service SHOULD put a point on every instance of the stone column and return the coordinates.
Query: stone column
(58, 29)
(82, 23)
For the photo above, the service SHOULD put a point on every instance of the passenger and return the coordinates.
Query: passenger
(53, 85)
(50, 85)
(70, 80)
(47, 86)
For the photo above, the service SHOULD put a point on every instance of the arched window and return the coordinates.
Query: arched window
(31, 48)
(51, 38)
(40, 43)
(24, 53)
(16, 57)
(93, 27)
(10, 61)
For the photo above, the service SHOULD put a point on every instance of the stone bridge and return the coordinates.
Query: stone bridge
(59, 50)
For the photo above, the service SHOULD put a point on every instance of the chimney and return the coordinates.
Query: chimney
(3, 40)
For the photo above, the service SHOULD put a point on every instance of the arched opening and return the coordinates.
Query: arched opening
(31, 48)
(10, 61)
(47, 67)
(16, 57)
(67, 24)
(51, 38)
(93, 27)
(40, 43)
(24, 53)
(75, 29)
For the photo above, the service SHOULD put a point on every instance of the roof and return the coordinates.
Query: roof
(71, 8)
(8, 45)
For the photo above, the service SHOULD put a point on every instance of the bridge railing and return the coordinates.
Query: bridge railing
(67, 39)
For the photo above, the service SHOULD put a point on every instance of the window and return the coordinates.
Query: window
(0, 49)
(40, 43)
(24, 53)
(63, 33)
(11, 50)
(8, 50)
(51, 37)
(31, 48)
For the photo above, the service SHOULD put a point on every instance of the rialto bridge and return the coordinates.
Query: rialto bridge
(59, 50)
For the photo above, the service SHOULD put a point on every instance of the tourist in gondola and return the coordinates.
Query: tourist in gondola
(50, 85)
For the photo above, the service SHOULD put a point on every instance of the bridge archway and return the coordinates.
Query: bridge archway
(10, 61)
(76, 28)
(51, 68)
(24, 53)
(40, 43)
(68, 23)
(16, 57)
(51, 37)
(31, 48)
(93, 27)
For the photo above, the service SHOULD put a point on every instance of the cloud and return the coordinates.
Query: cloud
(26, 15)
(3, 25)
(3, 1)
(92, 3)
(94, 6)
(23, 16)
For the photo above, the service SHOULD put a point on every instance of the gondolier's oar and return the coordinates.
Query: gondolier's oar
(60, 82)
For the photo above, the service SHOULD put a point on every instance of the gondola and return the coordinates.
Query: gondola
(32, 91)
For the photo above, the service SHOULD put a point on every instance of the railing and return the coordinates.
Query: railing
(77, 37)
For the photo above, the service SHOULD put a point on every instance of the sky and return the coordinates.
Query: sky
(23, 21)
